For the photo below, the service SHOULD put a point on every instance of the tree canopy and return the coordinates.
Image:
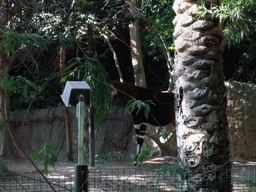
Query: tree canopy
(239, 20)
(32, 37)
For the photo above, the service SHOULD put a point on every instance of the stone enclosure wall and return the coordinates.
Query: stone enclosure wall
(241, 114)
(48, 125)
(34, 129)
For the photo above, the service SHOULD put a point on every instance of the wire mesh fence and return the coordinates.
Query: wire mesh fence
(13, 183)
(121, 179)
(130, 180)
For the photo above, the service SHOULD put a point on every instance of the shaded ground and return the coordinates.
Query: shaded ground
(22, 167)
(121, 176)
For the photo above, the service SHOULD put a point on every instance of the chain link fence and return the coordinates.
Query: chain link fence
(120, 179)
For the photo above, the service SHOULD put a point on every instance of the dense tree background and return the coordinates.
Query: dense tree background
(33, 37)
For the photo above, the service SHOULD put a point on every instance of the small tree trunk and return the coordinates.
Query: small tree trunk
(168, 148)
(136, 54)
(68, 118)
(202, 130)
(7, 143)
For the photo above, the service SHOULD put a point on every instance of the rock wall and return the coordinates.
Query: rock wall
(241, 114)
(48, 125)
(35, 128)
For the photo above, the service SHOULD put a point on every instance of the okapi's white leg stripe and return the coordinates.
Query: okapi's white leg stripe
(143, 132)
(137, 126)
(141, 136)
(139, 149)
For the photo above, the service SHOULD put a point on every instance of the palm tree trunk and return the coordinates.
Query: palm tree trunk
(202, 130)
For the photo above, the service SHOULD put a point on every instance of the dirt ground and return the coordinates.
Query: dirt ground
(22, 167)
(114, 176)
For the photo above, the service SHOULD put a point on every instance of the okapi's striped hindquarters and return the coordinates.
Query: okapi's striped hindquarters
(161, 108)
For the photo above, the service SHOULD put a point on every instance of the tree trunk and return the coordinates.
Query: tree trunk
(68, 118)
(136, 54)
(6, 145)
(168, 147)
(202, 130)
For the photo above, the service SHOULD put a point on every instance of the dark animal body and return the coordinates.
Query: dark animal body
(161, 109)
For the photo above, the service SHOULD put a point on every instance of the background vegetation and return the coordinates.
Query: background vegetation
(34, 36)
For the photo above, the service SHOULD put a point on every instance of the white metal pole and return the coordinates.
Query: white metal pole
(80, 114)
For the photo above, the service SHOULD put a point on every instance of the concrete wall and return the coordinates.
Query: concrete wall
(241, 114)
(35, 128)
(48, 125)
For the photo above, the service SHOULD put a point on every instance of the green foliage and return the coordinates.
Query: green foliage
(250, 185)
(31, 85)
(172, 170)
(52, 19)
(49, 154)
(12, 40)
(39, 93)
(164, 134)
(156, 31)
(111, 12)
(134, 104)
(93, 72)
(3, 168)
(103, 159)
(238, 16)
(239, 19)
(159, 15)
(144, 155)
(18, 84)
(3, 125)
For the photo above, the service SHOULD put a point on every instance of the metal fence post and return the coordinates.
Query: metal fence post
(80, 115)
(81, 178)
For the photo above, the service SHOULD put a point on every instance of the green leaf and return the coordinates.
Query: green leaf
(176, 160)
(11, 83)
(128, 106)
(3, 125)
(3, 168)
(25, 91)
(132, 106)
(5, 84)
(147, 110)
(138, 103)
(147, 152)
(181, 172)
(30, 83)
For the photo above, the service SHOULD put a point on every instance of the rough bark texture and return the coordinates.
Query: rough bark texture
(241, 104)
(48, 125)
(136, 54)
(68, 118)
(202, 136)
(167, 147)
(4, 100)
(4, 109)
(8, 9)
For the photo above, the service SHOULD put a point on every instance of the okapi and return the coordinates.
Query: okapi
(161, 109)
